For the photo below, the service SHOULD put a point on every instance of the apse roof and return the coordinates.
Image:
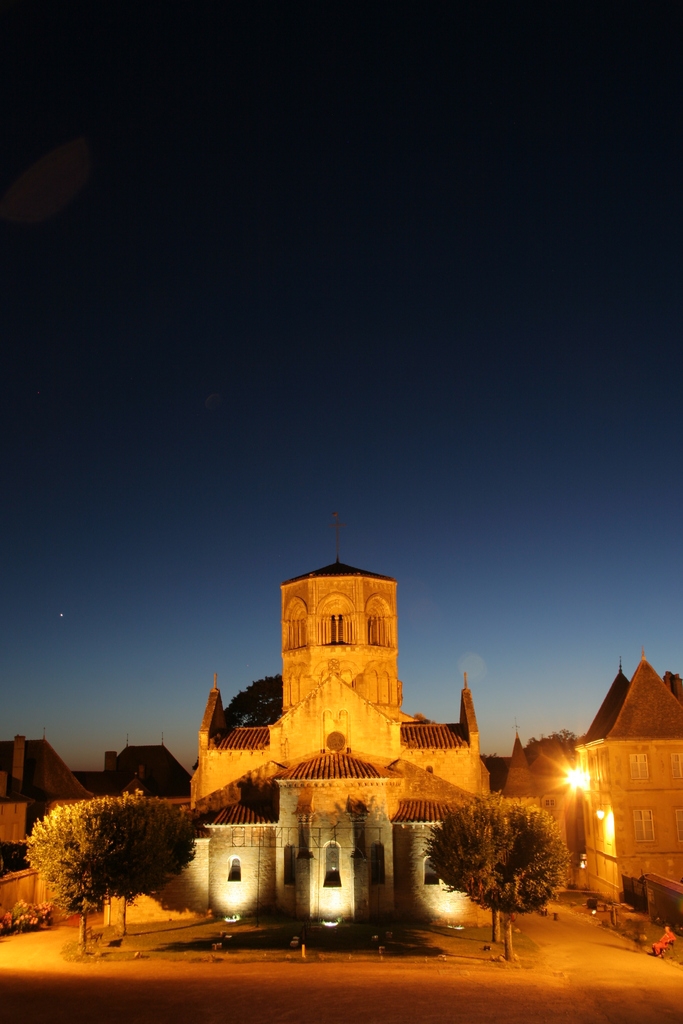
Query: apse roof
(334, 766)
(431, 735)
(339, 569)
(421, 811)
(246, 737)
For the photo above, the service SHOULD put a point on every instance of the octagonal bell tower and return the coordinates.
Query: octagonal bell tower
(341, 621)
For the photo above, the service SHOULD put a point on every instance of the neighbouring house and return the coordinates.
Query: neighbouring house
(632, 763)
(326, 813)
(35, 779)
(149, 769)
(547, 781)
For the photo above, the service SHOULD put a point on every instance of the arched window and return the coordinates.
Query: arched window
(235, 872)
(296, 624)
(332, 857)
(290, 864)
(379, 622)
(430, 875)
(337, 633)
(377, 864)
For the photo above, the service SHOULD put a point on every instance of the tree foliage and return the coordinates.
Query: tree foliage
(562, 742)
(259, 704)
(109, 847)
(507, 856)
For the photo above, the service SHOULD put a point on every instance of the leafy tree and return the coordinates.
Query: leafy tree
(507, 856)
(109, 847)
(259, 704)
(562, 742)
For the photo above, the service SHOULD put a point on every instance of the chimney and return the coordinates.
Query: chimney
(3, 784)
(110, 760)
(18, 763)
(675, 685)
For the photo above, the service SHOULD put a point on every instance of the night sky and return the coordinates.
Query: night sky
(418, 263)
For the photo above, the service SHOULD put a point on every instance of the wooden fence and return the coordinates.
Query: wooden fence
(21, 885)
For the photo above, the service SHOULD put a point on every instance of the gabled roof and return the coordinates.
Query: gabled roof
(643, 709)
(431, 736)
(334, 766)
(245, 737)
(520, 781)
(421, 810)
(338, 569)
(46, 777)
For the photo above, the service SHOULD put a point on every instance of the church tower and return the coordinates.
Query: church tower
(341, 621)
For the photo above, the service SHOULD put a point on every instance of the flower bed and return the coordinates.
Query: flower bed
(26, 917)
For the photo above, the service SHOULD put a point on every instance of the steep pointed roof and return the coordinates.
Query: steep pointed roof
(520, 781)
(609, 709)
(338, 569)
(649, 709)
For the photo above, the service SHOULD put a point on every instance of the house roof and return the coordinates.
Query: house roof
(497, 768)
(520, 781)
(245, 814)
(244, 737)
(334, 766)
(162, 775)
(431, 736)
(46, 777)
(644, 708)
(421, 810)
(338, 569)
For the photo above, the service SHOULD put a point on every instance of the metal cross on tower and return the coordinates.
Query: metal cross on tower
(336, 525)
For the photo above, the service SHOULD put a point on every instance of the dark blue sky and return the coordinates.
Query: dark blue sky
(429, 259)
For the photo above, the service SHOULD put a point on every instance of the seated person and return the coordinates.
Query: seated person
(667, 939)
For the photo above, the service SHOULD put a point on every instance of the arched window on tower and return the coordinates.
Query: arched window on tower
(338, 628)
(332, 857)
(296, 625)
(379, 623)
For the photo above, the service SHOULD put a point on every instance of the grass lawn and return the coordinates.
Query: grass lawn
(271, 939)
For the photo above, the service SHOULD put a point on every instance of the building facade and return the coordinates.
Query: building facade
(631, 760)
(326, 813)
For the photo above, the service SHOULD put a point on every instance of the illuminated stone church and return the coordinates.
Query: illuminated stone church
(325, 814)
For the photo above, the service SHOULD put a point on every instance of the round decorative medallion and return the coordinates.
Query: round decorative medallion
(336, 741)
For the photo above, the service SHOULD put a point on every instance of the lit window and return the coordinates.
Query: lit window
(644, 826)
(332, 877)
(377, 864)
(430, 875)
(638, 766)
(677, 766)
(679, 825)
(235, 872)
(550, 801)
(290, 864)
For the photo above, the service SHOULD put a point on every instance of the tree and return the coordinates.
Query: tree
(109, 847)
(259, 704)
(507, 856)
(562, 742)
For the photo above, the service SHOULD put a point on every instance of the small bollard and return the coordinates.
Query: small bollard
(303, 950)
(381, 950)
(389, 936)
(375, 938)
(556, 916)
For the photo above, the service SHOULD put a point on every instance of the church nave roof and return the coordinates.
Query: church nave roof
(431, 735)
(245, 737)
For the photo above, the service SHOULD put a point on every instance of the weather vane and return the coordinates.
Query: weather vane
(336, 525)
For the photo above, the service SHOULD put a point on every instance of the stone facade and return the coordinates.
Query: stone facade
(326, 813)
(631, 764)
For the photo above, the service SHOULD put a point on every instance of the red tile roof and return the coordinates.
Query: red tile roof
(245, 737)
(431, 736)
(241, 814)
(333, 766)
(421, 810)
